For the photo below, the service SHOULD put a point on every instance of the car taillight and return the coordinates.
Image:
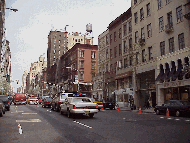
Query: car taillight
(47, 102)
(74, 107)
(101, 103)
(8, 101)
(60, 102)
(96, 105)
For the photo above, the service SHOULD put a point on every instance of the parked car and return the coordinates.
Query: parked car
(10, 99)
(33, 100)
(42, 98)
(100, 104)
(2, 108)
(6, 101)
(46, 102)
(78, 105)
(176, 107)
(59, 99)
(20, 99)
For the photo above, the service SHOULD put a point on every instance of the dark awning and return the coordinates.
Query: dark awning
(165, 74)
(177, 72)
(171, 74)
(159, 76)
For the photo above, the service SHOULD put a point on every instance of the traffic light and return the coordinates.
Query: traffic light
(17, 82)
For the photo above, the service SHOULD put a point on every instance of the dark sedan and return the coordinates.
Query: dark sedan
(175, 107)
(5, 99)
(2, 108)
(46, 102)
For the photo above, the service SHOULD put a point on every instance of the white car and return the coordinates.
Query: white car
(78, 105)
(33, 100)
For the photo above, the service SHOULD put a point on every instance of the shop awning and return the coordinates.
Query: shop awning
(165, 74)
(123, 91)
(171, 74)
(177, 72)
(159, 76)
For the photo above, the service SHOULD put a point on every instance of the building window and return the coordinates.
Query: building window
(81, 75)
(75, 40)
(111, 38)
(114, 36)
(130, 27)
(143, 56)
(141, 13)
(115, 67)
(136, 37)
(130, 43)
(167, 1)
(81, 53)
(162, 48)
(107, 40)
(111, 56)
(169, 17)
(119, 32)
(149, 31)
(179, 13)
(150, 53)
(181, 41)
(93, 55)
(124, 29)
(81, 64)
(119, 64)
(111, 68)
(131, 61)
(160, 4)
(78, 40)
(59, 46)
(106, 53)
(59, 41)
(93, 65)
(137, 58)
(115, 52)
(142, 33)
(148, 9)
(135, 1)
(161, 23)
(106, 67)
(120, 52)
(124, 46)
(125, 63)
(171, 44)
(136, 17)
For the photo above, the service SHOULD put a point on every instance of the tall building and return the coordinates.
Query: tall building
(23, 84)
(2, 23)
(77, 68)
(58, 44)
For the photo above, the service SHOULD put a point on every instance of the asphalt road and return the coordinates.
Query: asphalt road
(41, 125)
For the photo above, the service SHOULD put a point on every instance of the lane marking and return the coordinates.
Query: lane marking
(17, 111)
(82, 124)
(29, 120)
(187, 120)
(29, 113)
(162, 117)
(177, 119)
(169, 118)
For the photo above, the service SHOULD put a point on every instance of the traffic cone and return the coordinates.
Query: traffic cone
(102, 108)
(140, 109)
(167, 112)
(118, 109)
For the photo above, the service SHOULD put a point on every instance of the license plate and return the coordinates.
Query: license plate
(86, 112)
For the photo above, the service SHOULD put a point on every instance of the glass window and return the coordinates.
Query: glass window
(124, 46)
(181, 41)
(124, 29)
(142, 33)
(162, 48)
(171, 44)
(136, 36)
(120, 52)
(141, 13)
(149, 31)
(120, 33)
(150, 53)
(143, 56)
(179, 13)
(161, 23)
(148, 9)
(160, 4)
(130, 27)
(136, 17)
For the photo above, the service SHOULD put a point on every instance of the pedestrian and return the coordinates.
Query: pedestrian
(148, 105)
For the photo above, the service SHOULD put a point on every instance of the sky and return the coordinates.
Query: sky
(28, 28)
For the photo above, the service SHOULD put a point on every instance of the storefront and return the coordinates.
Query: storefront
(176, 90)
(122, 96)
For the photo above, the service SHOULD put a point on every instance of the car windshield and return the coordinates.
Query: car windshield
(63, 96)
(49, 99)
(81, 100)
(3, 97)
(92, 99)
(185, 102)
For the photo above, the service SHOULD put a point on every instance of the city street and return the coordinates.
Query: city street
(43, 125)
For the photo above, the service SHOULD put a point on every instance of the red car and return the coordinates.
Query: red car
(20, 99)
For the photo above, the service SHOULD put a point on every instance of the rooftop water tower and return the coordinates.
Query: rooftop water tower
(88, 32)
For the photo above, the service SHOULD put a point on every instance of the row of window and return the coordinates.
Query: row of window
(93, 54)
(179, 14)
(181, 44)
(93, 65)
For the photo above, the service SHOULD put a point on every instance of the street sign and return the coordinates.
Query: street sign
(76, 78)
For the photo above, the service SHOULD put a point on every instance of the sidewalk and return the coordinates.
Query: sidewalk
(151, 110)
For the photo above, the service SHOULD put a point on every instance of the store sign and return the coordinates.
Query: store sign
(173, 84)
(76, 78)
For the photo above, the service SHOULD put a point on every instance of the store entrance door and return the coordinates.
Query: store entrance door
(153, 96)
